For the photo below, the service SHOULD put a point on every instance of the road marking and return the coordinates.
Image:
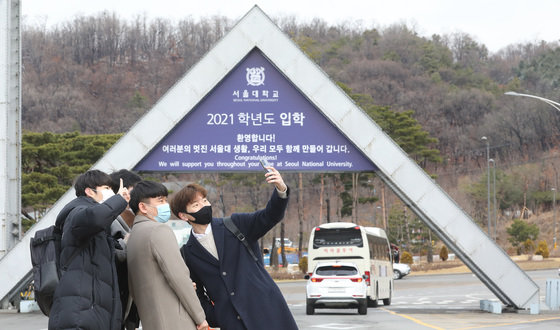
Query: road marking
(337, 326)
(511, 323)
(413, 319)
(424, 302)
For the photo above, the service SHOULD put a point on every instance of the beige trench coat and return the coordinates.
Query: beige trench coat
(159, 280)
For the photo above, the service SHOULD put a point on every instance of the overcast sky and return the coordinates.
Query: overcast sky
(495, 23)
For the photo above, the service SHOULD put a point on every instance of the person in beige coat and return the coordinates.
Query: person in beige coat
(158, 278)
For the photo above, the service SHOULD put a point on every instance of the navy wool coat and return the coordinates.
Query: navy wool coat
(87, 296)
(243, 293)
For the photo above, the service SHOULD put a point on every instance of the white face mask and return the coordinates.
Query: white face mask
(106, 193)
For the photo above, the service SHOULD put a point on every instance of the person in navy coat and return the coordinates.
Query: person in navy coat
(235, 290)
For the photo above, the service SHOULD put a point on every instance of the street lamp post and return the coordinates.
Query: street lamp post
(553, 104)
(556, 106)
(485, 139)
(494, 198)
(554, 217)
(376, 215)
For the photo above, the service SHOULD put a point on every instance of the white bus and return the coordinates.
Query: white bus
(367, 247)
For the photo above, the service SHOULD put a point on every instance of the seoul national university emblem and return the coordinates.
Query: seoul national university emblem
(255, 76)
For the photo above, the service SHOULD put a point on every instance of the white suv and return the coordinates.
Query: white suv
(287, 242)
(400, 270)
(336, 285)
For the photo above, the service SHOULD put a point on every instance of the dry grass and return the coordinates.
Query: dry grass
(456, 266)
(283, 274)
(439, 267)
(435, 266)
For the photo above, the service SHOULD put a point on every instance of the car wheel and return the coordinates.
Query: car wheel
(362, 307)
(371, 302)
(387, 301)
(309, 308)
(396, 274)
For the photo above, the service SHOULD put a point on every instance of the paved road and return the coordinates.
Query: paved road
(419, 302)
(427, 302)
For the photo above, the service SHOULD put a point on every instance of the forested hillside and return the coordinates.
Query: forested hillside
(99, 74)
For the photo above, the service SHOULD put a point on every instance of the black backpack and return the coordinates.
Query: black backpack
(47, 270)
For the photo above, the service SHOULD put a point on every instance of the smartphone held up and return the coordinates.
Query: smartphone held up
(265, 164)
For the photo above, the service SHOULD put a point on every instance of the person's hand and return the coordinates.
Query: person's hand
(203, 326)
(194, 285)
(273, 176)
(123, 191)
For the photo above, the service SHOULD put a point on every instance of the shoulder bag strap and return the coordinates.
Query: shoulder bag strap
(72, 256)
(77, 250)
(235, 231)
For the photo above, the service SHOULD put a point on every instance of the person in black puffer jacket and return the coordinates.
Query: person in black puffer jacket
(87, 296)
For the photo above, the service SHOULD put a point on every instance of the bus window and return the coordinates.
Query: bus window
(338, 236)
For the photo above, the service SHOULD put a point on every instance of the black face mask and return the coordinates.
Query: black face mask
(202, 216)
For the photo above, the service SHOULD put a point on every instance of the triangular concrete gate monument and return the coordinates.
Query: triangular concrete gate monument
(255, 30)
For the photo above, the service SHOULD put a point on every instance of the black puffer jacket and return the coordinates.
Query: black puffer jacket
(87, 296)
